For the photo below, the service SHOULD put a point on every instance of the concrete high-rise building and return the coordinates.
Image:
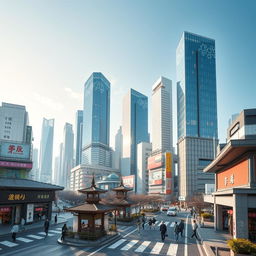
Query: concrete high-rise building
(162, 115)
(197, 111)
(67, 155)
(134, 129)
(96, 121)
(56, 169)
(79, 134)
(15, 141)
(46, 147)
(59, 170)
(144, 150)
(34, 173)
(118, 149)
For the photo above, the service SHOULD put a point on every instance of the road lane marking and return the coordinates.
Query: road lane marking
(129, 245)
(26, 240)
(124, 229)
(156, 222)
(54, 231)
(143, 246)
(43, 234)
(9, 244)
(167, 222)
(186, 238)
(116, 244)
(172, 251)
(58, 228)
(36, 237)
(172, 225)
(159, 223)
(130, 233)
(157, 248)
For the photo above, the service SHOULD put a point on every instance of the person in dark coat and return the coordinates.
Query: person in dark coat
(163, 230)
(56, 219)
(154, 222)
(64, 231)
(46, 227)
(181, 227)
(150, 223)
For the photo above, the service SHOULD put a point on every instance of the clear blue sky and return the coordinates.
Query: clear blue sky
(49, 48)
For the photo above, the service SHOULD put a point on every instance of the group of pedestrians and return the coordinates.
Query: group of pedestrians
(143, 221)
(178, 229)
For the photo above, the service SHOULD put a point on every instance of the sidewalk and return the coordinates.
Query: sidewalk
(212, 239)
(62, 218)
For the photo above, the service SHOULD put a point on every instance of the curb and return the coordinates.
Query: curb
(207, 249)
(112, 239)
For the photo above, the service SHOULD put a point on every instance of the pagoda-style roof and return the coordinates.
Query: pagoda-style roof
(92, 188)
(90, 208)
(121, 187)
(121, 202)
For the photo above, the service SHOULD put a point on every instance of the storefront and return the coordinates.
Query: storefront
(20, 198)
(234, 198)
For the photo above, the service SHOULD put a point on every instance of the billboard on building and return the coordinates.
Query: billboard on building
(30, 213)
(15, 150)
(16, 165)
(129, 181)
(168, 173)
(155, 178)
(155, 161)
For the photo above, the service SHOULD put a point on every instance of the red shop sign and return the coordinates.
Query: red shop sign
(39, 209)
(230, 212)
(5, 209)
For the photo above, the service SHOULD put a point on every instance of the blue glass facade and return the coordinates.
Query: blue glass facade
(139, 124)
(96, 110)
(196, 87)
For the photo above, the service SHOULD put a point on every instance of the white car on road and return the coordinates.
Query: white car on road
(172, 211)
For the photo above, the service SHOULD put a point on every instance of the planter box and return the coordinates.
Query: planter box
(237, 254)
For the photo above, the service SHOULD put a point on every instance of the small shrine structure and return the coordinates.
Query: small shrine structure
(91, 216)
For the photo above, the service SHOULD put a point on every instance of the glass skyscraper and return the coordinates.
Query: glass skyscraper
(196, 87)
(79, 135)
(134, 128)
(95, 149)
(197, 112)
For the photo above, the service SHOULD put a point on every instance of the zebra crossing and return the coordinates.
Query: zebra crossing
(149, 247)
(158, 223)
(28, 238)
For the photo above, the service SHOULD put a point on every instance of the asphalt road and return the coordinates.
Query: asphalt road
(147, 242)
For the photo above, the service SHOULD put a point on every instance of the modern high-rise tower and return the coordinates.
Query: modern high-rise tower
(197, 111)
(134, 129)
(162, 115)
(118, 149)
(79, 134)
(96, 121)
(46, 147)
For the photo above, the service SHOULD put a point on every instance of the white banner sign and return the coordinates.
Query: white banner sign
(30, 213)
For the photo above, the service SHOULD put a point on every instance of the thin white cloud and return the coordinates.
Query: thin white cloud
(73, 94)
(48, 102)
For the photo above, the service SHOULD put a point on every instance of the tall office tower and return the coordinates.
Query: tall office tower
(134, 129)
(34, 173)
(15, 141)
(162, 115)
(67, 155)
(56, 169)
(79, 134)
(46, 147)
(197, 111)
(59, 171)
(96, 121)
(144, 150)
(118, 149)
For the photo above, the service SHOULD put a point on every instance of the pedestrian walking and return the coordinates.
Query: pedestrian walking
(194, 229)
(22, 224)
(56, 219)
(150, 222)
(64, 232)
(46, 227)
(176, 231)
(181, 227)
(154, 222)
(143, 222)
(14, 231)
(163, 230)
(138, 225)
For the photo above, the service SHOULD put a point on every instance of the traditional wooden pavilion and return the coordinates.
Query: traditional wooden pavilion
(121, 201)
(91, 216)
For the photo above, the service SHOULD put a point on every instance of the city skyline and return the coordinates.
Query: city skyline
(49, 90)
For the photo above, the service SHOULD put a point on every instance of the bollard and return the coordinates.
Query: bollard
(216, 251)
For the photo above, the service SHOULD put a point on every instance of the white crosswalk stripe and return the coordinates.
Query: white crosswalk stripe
(55, 231)
(143, 246)
(172, 251)
(129, 245)
(43, 234)
(26, 240)
(9, 244)
(36, 237)
(166, 223)
(172, 225)
(157, 248)
(116, 244)
(157, 222)
(58, 228)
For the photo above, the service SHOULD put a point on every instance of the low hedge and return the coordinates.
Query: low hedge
(150, 210)
(243, 246)
(206, 215)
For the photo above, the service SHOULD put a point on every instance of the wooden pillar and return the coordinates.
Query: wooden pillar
(93, 223)
(79, 223)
